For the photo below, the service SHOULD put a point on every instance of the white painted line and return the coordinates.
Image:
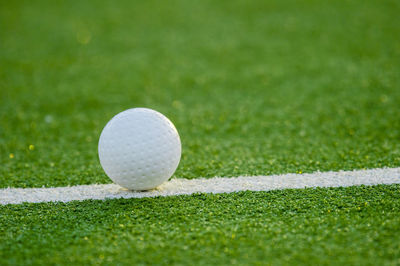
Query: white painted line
(202, 185)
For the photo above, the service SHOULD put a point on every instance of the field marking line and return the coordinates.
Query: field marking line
(180, 186)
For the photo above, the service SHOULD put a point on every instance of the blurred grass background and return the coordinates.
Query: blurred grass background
(253, 87)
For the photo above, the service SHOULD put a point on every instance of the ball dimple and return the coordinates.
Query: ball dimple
(139, 149)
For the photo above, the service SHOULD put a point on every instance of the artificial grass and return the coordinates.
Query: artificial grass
(254, 88)
(348, 226)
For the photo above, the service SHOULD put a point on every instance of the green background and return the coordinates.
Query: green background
(254, 88)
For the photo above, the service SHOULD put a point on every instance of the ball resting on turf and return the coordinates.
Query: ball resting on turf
(139, 149)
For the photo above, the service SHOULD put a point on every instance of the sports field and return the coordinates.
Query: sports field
(254, 88)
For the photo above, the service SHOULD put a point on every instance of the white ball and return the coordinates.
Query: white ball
(139, 149)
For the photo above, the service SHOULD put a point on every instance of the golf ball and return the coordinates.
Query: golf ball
(139, 149)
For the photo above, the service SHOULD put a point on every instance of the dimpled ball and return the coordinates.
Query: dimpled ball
(139, 149)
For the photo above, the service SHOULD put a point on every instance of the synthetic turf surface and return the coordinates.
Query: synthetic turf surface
(257, 88)
(355, 225)
(253, 87)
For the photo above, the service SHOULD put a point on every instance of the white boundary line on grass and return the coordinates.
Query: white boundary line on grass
(202, 185)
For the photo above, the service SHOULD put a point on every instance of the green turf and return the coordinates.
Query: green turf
(338, 226)
(255, 87)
